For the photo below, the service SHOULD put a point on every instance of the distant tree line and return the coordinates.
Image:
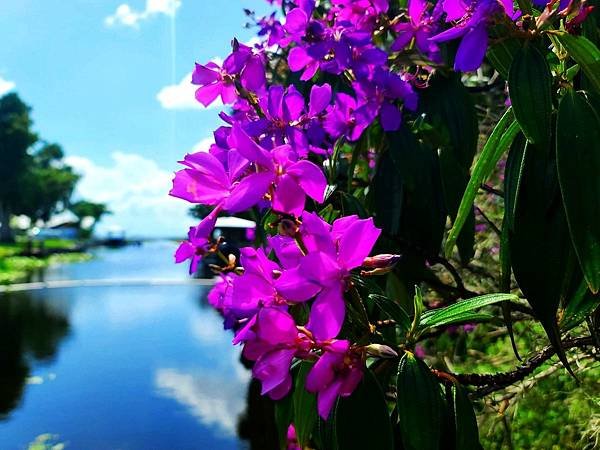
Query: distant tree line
(35, 181)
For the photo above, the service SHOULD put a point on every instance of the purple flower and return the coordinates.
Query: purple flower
(300, 59)
(272, 28)
(362, 14)
(348, 118)
(293, 179)
(215, 81)
(220, 298)
(420, 28)
(259, 286)
(473, 18)
(337, 373)
(296, 24)
(381, 94)
(272, 339)
(212, 181)
(333, 251)
(198, 242)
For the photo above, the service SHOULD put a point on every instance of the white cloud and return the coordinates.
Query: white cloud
(136, 191)
(181, 96)
(127, 16)
(211, 400)
(203, 145)
(6, 86)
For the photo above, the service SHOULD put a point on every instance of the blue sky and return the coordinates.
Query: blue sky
(108, 81)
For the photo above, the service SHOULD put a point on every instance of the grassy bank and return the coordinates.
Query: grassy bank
(15, 268)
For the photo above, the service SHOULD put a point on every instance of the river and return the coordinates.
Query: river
(127, 366)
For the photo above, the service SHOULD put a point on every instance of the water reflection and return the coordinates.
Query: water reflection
(131, 367)
(143, 366)
(29, 330)
(205, 397)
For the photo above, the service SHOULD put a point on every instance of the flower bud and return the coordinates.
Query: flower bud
(382, 261)
(287, 227)
(381, 351)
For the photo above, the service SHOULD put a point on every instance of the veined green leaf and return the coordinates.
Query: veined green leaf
(585, 53)
(461, 311)
(419, 405)
(305, 405)
(465, 423)
(501, 54)
(284, 416)
(512, 178)
(582, 304)
(500, 139)
(539, 243)
(530, 91)
(362, 420)
(578, 165)
(393, 310)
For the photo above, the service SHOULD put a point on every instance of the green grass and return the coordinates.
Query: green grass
(550, 412)
(15, 269)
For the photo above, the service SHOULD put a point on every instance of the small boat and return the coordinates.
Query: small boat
(115, 238)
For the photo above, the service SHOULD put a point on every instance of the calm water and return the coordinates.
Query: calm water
(134, 367)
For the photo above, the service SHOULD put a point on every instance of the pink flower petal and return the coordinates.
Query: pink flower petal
(310, 178)
(208, 93)
(327, 314)
(357, 242)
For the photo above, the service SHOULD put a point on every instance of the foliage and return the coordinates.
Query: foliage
(46, 184)
(354, 131)
(86, 209)
(16, 269)
(16, 137)
(34, 180)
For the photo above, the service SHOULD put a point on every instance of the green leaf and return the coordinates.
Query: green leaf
(530, 91)
(419, 405)
(449, 105)
(540, 244)
(397, 290)
(329, 213)
(350, 205)
(500, 139)
(512, 178)
(389, 195)
(465, 422)
(362, 420)
(284, 415)
(585, 53)
(393, 310)
(267, 222)
(461, 311)
(326, 438)
(455, 180)
(501, 54)
(408, 194)
(449, 108)
(580, 306)
(418, 308)
(578, 165)
(305, 405)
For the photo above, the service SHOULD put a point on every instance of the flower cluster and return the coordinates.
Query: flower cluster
(347, 67)
(312, 266)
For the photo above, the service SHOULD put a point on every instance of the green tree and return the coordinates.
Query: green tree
(47, 184)
(16, 137)
(84, 208)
